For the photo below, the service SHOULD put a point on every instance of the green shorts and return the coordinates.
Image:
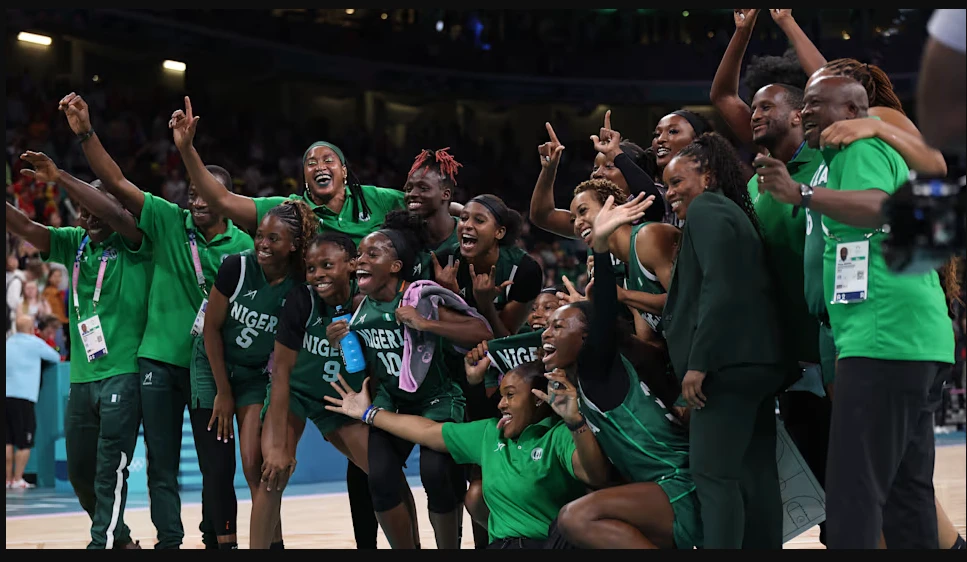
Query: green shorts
(249, 384)
(827, 354)
(687, 530)
(442, 408)
(305, 408)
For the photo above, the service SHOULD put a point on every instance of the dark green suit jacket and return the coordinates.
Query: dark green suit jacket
(721, 307)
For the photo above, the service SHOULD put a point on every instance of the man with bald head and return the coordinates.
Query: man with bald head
(892, 333)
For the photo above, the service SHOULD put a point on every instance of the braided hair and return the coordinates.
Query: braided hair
(337, 238)
(715, 154)
(302, 224)
(440, 160)
(877, 84)
(361, 209)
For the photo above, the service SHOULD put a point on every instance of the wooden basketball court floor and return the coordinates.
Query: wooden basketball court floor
(321, 520)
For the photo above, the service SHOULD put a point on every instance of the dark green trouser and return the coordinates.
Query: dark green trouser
(165, 392)
(733, 458)
(101, 433)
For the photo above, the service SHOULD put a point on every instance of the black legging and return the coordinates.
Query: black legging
(440, 475)
(216, 460)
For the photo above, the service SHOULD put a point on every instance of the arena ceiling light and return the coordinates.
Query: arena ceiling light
(33, 38)
(174, 65)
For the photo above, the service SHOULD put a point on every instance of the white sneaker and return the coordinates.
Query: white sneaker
(21, 485)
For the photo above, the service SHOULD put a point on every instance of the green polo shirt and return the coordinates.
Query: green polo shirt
(122, 308)
(526, 481)
(785, 238)
(904, 317)
(175, 296)
(380, 199)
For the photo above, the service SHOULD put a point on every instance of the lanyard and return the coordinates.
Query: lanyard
(196, 261)
(77, 270)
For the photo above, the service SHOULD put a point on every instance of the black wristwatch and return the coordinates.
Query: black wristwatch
(805, 194)
(806, 191)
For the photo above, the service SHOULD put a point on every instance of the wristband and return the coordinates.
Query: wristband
(576, 426)
(83, 137)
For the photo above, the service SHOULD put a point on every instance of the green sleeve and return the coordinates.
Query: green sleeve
(713, 236)
(867, 164)
(491, 378)
(159, 217)
(463, 439)
(265, 204)
(63, 245)
(564, 447)
(384, 198)
(139, 254)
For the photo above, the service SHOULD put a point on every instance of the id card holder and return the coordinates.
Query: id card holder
(199, 325)
(852, 272)
(92, 337)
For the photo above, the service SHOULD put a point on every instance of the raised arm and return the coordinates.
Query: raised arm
(20, 224)
(240, 209)
(104, 167)
(543, 213)
(461, 329)
(608, 142)
(415, 429)
(725, 86)
(98, 203)
(896, 130)
(809, 56)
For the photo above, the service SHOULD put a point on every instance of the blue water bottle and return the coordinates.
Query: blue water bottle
(352, 351)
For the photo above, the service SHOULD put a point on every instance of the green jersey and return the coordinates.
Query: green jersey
(526, 481)
(619, 267)
(506, 354)
(176, 296)
(784, 237)
(382, 339)
(123, 304)
(642, 280)
(449, 248)
(904, 317)
(813, 252)
(643, 439)
(380, 200)
(513, 264)
(248, 332)
(302, 326)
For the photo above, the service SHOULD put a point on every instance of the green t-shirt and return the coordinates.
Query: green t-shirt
(904, 317)
(506, 354)
(642, 280)
(381, 201)
(526, 481)
(382, 339)
(785, 238)
(123, 304)
(302, 326)
(254, 306)
(175, 296)
(643, 439)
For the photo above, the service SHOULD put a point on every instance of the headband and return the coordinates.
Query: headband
(490, 207)
(334, 148)
(697, 124)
